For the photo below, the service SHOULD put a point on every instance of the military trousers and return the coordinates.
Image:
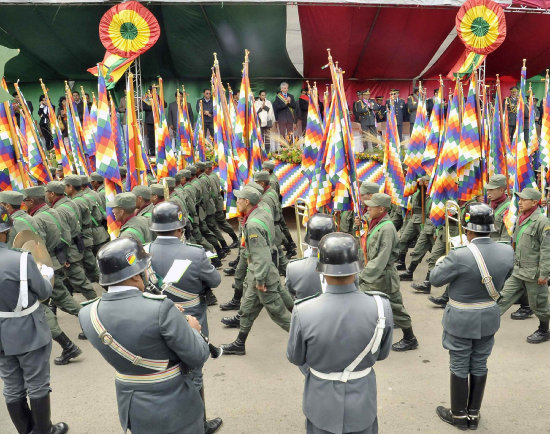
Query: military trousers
(439, 246)
(396, 216)
(312, 429)
(537, 295)
(26, 374)
(213, 226)
(60, 294)
(208, 235)
(240, 275)
(224, 225)
(254, 301)
(288, 242)
(410, 232)
(90, 265)
(199, 239)
(468, 356)
(423, 245)
(51, 319)
(77, 279)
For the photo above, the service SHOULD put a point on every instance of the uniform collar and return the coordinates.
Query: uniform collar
(481, 240)
(120, 295)
(341, 289)
(167, 240)
(119, 288)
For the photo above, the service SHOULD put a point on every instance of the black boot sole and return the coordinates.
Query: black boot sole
(67, 358)
(230, 306)
(238, 352)
(406, 278)
(451, 421)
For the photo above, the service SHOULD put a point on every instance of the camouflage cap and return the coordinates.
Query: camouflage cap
(496, 181)
(200, 165)
(73, 180)
(193, 169)
(269, 165)
(262, 176)
(123, 200)
(529, 193)
(186, 173)
(368, 187)
(249, 193)
(170, 181)
(56, 187)
(96, 177)
(142, 191)
(209, 164)
(84, 179)
(38, 191)
(157, 190)
(379, 199)
(256, 186)
(178, 176)
(11, 197)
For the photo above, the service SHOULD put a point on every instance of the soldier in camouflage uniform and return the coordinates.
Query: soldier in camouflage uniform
(98, 184)
(531, 242)
(98, 215)
(264, 287)
(132, 226)
(143, 201)
(380, 274)
(81, 208)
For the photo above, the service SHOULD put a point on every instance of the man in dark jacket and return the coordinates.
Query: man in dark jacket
(285, 108)
(207, 110)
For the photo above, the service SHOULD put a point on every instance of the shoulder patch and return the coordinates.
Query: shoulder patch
(381, 294)
(546, 228)
(154, 296)
(253, 236)
(87, 302)
(301, 300)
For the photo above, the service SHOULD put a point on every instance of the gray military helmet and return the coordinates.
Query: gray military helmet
(121, 259)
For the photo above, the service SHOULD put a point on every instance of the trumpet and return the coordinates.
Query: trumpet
(302, 210)
(451, 206)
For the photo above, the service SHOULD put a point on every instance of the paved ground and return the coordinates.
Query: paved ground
(261, 392)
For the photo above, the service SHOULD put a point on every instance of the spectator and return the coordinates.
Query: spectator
(79, 104)
(264, 109)
(207, 111)
(44, 122)
(303, 104)
(285, 108)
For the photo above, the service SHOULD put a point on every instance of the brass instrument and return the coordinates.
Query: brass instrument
(450, 206)
(166, 189)
(302, 210)
(34, 244)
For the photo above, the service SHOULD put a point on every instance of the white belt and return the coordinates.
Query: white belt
(372, 346)
(20, 313)
(23, 299)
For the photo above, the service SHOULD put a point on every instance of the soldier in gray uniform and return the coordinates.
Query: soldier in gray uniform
(476, 274)
(302, 278)
(335, 338)
(148, 341)
(25, 339)
(197, 275)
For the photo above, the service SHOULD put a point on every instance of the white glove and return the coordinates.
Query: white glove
(47, 272)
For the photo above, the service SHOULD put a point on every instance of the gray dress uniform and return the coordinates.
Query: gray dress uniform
(189, 289)
(471, 316)
(302, 278)
(155, 393)
(332, 406)
(25, 338)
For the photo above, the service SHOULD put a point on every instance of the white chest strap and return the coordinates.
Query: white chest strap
(486, 278)
(23, 299)
(373, 346)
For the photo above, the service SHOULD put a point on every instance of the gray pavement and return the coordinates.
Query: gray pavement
(261, 392)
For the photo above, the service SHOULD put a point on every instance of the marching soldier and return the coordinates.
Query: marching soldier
(414, 226)
(475, 273)
(98, 184)
(149, 343)
(98, 215)
(380, 273)
(143, 201)
(132, 226)
(531, 242)
(25, 339)
(197, 275)
(222, 222)
(157, 194)
(21, 221)
(262, 278)
(335, 338)
(81, 209)
(302, 278)
(288, 242)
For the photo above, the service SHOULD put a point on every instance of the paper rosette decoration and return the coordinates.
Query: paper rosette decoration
(481, 26)
(128, 29)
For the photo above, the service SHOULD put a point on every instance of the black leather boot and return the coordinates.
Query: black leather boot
(70, 350)
(235, 242)
(216, 262)
(220, 252)
(457, 414)
(40, 410)
(233, 264)
(409, 341)
(477, 387)
(20, 415)
(523, 312)
(400, 263)
(229, 271)
(232, 304)
(212, 425)
(211, 299)
(233, 322)
(541, 334)
(407, 276)
(424, 287)
(440, 301)
(237, 347)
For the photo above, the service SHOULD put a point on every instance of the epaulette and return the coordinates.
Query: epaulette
(457, 247)
(301, 300)
(154, 296)
(381, 294)
(508, 243)
(87, 302)
(198, 246)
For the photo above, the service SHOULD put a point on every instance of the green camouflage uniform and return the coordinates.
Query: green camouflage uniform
(82, 211)
(219, 215)
(136, 228)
